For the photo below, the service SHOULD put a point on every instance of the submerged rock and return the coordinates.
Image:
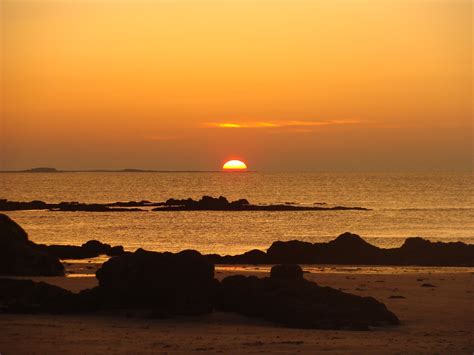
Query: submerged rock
(288, 299)
(20, 256)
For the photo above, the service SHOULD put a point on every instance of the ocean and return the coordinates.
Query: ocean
(436, 206)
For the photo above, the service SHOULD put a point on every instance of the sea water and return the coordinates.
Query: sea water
(436, 206)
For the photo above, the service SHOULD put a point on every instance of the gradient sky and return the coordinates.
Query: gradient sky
(282, 84)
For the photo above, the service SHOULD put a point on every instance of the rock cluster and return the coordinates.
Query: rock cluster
(90, 249)
(183, 284)
(288, 299)
(208, 203)
(20, 256)
(351, 249)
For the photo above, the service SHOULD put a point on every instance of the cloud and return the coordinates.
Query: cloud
(279, 124)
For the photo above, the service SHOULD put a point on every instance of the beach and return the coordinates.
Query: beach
(434, 305)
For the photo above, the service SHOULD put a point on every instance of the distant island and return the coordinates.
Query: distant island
(41, 170)
(126, 170)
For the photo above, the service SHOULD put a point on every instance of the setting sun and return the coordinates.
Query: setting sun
(234, 165)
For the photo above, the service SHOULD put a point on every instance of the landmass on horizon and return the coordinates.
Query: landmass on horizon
(126, 170)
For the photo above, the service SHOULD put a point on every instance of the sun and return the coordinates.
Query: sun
(234, 165)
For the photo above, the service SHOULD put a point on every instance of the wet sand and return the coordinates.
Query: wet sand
(437, 319)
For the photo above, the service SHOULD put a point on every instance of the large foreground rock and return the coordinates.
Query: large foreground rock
(288, 299)
(20, 256)
(181, 283)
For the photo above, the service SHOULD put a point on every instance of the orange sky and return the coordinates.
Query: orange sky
(280, 84)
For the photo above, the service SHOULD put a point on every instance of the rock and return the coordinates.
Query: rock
(90, 207)
(69, 251)
(350, 248)
(20, 256)
(286, 271)
(115, 251)
(252, 257)
(293, 251)
(6, 205)
(208, 203)
(90, 249)
(97, 247)
(295, 302)
(26, 296)
(181, 283)
(418, 251)
(42, 169)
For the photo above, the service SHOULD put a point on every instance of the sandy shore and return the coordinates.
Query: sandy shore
(437, 319)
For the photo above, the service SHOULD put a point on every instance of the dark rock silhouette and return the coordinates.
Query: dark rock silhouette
(350, 248)
(143, 203)
(20, 256)
(181, 283)
(288, 299)
(286, 271)
(26, 296)
(208, 203)
(42, 170)
(90, 249)
(171, 284)
(6, 205)
(425, 252)
(91, 207)
(254, 256)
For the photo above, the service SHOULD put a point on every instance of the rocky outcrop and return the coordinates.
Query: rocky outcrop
(208, 203)
(419, 251)
(288, 299)
(6, 205)
(254, 256)
(347, 248)
(181, 283)
(351, 249)
(90, 207)
(26, 296)
(20, 256)
(90, 249)
(165, 284)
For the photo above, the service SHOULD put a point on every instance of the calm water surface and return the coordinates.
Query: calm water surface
(437, 206)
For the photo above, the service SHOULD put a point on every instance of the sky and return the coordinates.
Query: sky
(284, 85)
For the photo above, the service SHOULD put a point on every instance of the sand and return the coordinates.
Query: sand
(435, 320)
